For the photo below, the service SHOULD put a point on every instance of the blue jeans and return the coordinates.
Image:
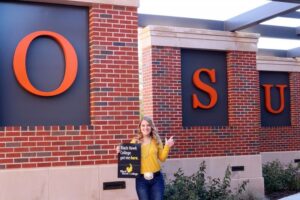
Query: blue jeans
(150, 189)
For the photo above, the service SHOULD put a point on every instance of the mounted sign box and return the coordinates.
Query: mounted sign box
(129, 161)
(204, 88)
(275, 98)
(44, 77)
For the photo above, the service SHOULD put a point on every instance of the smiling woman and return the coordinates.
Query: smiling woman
(150, 185)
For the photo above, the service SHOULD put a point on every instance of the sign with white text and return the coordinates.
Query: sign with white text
(129, 161)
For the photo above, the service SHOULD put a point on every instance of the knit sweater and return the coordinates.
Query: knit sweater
(151, 156)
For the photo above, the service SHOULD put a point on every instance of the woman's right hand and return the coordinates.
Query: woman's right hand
(170, 142)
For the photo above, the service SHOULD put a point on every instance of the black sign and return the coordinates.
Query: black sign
(208, 61)
(45, 64)
(274, 116)
(129, 164)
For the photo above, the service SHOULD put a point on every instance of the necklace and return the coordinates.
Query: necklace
(148, 149)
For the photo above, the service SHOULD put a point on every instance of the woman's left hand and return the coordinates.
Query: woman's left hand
(170, 142)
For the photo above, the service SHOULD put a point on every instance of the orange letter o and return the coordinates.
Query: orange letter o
(19, 63)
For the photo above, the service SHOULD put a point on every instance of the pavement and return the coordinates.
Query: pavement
(292, 197)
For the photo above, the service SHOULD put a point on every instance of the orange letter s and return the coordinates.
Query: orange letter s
(206, 88)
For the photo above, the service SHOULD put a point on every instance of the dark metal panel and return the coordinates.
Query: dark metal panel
(294, 52)
(191, 60)
(115, 185)
(237, 168)
(259, 15)
(146, 19)
(45, 65)
(267, 118)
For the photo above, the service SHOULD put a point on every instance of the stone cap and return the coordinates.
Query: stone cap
(198, 38)
(272, 63)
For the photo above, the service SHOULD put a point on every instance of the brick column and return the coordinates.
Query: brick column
(162, 99)
(114, 74)
(219, 146)
(114, 102)
(284, 138)
(243, 101)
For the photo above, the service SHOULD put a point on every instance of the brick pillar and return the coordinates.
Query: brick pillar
(241, 137)
(114, 74)
(114, 102)
(243, 101)
(236, 144)
(285, 138)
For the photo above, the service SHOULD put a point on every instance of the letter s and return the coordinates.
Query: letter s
(206, 88)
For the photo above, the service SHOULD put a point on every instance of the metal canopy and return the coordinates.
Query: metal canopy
(294, 52)
(259, 15)
(246, 22)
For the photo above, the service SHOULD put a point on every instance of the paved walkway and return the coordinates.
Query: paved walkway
(292, 197)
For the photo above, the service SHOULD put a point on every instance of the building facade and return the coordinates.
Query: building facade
(223, 103)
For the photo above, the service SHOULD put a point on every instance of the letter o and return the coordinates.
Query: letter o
(19, 63)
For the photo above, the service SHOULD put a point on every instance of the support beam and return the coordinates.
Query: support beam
(259, 15)
(298, 30)
(279, 32)
(294, 52)
(287, 1)
(292, 15)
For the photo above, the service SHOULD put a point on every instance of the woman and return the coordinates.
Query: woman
(150, 183)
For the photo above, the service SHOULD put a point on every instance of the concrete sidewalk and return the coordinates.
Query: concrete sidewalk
(292, 197)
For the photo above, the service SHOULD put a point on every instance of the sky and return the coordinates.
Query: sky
(220, 10)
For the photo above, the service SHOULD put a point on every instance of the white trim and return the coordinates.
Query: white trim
(198, 38)
(284, 157)
(271, 63)
(131, 3)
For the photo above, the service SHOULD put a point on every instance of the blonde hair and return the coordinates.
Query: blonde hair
(153, 133)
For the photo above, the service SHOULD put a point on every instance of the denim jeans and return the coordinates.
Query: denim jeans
(150, 189)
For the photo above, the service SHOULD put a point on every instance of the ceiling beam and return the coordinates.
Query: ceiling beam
(260, 14)
(298, 30)
(294, 52)
(287, 1)
(292, 15)
(280, 32)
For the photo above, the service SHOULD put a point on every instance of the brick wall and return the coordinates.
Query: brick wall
(162, 75)
(285, 138)
(114, 102)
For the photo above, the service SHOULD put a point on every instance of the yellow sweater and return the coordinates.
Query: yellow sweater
(151, 154)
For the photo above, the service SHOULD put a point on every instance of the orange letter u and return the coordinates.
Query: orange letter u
(268, 103)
